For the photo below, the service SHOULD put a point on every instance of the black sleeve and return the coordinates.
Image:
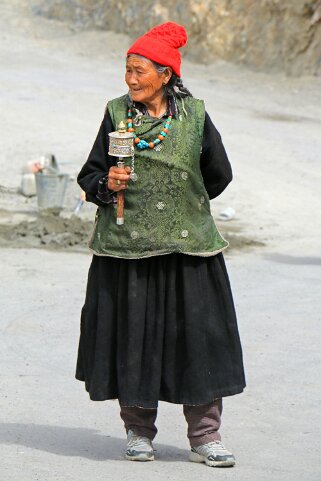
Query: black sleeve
(215, 166)
(97, 165)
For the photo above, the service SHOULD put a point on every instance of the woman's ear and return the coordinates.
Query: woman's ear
(167, 75)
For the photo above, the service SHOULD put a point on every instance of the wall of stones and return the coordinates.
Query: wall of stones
(267, 35)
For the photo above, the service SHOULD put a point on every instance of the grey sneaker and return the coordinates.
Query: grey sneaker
(139, 448)
(212, 454)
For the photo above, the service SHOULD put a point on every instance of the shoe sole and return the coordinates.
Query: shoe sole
(140, 457)
(197, 458)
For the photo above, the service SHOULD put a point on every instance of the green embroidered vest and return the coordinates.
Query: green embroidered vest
(167, 209)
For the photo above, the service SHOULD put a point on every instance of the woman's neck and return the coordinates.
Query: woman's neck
(157, 107)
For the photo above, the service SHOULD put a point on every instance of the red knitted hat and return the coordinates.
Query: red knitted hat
(161, 45)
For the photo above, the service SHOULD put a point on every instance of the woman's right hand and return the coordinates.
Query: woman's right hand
(118, 178)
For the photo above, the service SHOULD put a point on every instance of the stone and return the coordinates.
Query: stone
(266, 35)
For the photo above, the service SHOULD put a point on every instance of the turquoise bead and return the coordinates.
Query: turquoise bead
(143, 144)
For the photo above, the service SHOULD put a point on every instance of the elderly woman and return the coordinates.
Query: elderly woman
(158, 321)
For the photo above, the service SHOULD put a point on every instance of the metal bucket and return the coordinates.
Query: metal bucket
(51, 190)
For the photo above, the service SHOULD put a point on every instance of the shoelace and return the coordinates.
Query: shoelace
(217, 445)
(138, 442)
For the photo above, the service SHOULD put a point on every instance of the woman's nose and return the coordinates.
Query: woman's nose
(131, 79)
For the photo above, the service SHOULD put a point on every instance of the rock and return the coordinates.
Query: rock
(270, 35)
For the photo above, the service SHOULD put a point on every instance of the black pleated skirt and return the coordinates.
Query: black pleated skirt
(159, 328)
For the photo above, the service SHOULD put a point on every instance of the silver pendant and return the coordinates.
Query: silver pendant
(138, 120)
(133, 176)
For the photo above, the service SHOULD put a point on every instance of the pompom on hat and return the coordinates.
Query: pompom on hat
(161, 45)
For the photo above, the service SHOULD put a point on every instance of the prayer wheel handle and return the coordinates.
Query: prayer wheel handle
(120, 198)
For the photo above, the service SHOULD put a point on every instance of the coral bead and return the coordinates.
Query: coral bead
(131, 129)
(137, 140)
(151, 145)
(166, 131)
(160, 137)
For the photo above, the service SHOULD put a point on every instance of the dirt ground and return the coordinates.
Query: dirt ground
(55, 82)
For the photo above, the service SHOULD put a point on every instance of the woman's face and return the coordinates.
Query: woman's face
(144, 82)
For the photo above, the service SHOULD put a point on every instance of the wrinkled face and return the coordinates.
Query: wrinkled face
(144, 82)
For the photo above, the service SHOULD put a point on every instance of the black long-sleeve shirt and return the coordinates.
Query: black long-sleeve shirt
(215, 166)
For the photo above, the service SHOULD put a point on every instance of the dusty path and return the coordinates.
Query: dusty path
(51, 431)
(54, 85)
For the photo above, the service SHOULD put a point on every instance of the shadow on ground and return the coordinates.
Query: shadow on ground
(81, 442)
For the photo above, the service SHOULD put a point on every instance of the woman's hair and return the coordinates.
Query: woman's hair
(175, 85)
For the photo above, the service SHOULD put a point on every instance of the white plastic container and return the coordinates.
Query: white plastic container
(28, 185)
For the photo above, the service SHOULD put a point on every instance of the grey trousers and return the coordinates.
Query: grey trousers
(203, 421)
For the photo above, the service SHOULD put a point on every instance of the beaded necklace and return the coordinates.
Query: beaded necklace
(142, 144)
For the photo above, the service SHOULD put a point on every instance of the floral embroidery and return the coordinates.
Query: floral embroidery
(134, 234)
